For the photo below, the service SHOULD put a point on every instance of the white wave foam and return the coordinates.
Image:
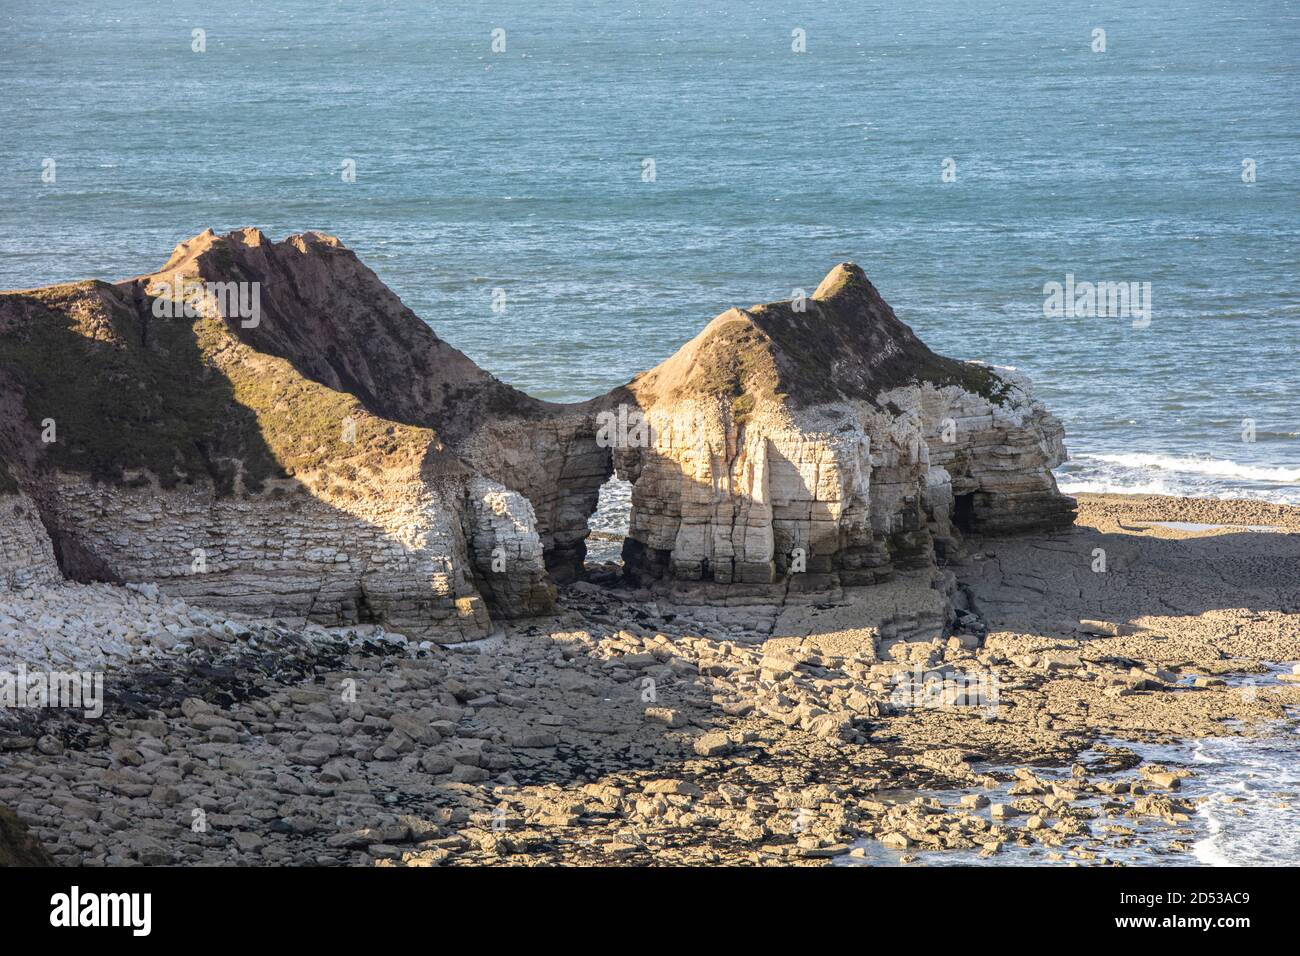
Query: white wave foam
(1216, 467)
(1104, 486)
(1144, 473)
(1206, 849)
(1249, 815)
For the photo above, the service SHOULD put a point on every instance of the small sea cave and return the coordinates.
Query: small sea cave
(963, 513)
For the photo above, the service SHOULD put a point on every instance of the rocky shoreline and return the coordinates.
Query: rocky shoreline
(622, 730)
(286, 579)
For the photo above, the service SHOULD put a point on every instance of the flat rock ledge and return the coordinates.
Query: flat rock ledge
(622, 730)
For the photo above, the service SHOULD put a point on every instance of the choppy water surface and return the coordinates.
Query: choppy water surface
(523, 171)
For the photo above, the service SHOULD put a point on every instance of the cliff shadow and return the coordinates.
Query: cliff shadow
(130, 403)
(123, 398)
(1046, 584)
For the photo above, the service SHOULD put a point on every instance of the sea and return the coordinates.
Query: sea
(1243, 791)
(622, 172)
(568, 191)
(1245, 798)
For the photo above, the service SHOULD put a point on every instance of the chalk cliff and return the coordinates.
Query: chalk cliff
(162, 444)
(821, 437)
(265, 427)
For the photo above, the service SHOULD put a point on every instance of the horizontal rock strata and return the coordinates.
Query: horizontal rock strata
(823, 439)
(179, 454)
(263, 427)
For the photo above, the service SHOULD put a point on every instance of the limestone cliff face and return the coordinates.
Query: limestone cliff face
(822, 442)
(332, 319)
(166, 448)
(26, 555)
(264, 427)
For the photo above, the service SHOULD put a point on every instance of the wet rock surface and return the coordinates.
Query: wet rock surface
(624, 730)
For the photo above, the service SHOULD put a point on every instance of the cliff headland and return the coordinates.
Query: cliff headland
(333, 577)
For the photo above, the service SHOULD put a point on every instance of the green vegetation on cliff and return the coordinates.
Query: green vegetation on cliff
(180, 398)
(119, 389)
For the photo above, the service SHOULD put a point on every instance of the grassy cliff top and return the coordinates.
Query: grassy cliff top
(324, 311)
(179, 398)
(129, 394)
(844, 344)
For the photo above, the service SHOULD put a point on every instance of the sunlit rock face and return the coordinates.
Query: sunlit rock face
(823, 438)
(264, 427)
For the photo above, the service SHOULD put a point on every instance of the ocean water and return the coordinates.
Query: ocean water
(524, 170)
(1247, 796)
(1245, 791)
